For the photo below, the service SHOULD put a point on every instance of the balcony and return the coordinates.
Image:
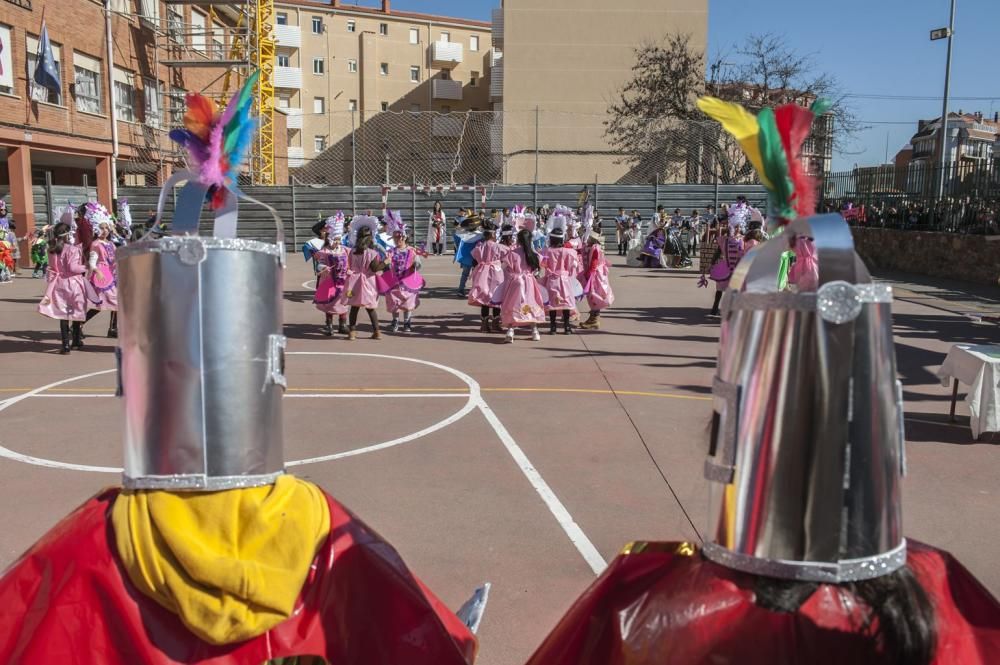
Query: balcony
(288, 36)
(446, 125)
(296, 157)
(446, 89)
(293, 117)
(288, 77)
(496, 79)
(498, 28)
(446, 54)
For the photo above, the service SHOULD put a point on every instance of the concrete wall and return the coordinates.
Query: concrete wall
(569, 58)
(961, 257)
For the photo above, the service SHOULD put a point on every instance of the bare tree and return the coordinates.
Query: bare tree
(660, 133)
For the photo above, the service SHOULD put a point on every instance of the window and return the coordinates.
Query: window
(383, 69)
(175, 24)
(6, 64)
(151, 99)
(125, 95)
(445, 108)
(445, 75)
(282, 18)
(149, 10)
(414, 36)
(445, 37)
(176, 106)
(474, 79)
(474, 43)
(352, 26)
(385, 106)
(414, 108)
(319, 105)
(318, 65)
(383, 29)
(352, 105)
(198, 31)
(283, 60)
(38, 93)
(284, 101)
(352, 66)
(218, 41)
(87, 83)
(317, 25)
(414, 74)
(319, 143)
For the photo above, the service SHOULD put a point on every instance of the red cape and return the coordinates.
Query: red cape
(658, 607)
(68, 600)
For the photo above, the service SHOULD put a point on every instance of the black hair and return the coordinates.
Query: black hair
(555, 241)
(509, 238)
(59, 233)
(363, 240)
(524, 240)
(437, 204)
(317, 228)
(900, 623)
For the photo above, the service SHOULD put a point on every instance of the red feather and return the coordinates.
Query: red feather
(201, 111)
(794, 122)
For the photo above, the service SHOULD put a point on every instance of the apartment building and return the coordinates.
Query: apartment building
(567, 59)
(158, 51)
(343, 67)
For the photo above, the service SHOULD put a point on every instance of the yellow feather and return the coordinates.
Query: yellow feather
(742, 125)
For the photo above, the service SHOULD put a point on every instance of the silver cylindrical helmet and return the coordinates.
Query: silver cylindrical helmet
(201, 361)
(806, 452)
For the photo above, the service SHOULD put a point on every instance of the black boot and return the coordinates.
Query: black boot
(328, 326)
(342, 326)
(567, 328)
(715, 305)
(552, 323)
(77, 330)
(113, 326)
(64, 333)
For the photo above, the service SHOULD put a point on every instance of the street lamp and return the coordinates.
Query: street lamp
(945, 33)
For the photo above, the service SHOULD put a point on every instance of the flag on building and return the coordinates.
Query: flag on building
(46, 73)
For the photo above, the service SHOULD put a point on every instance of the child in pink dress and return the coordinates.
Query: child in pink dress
(487, 276)
(401, 282)
(597, 285)
(102, 273)
(519, 297)
(65, 296)
(804, 272)
(331, 276)
(562, 264)
(363, 263)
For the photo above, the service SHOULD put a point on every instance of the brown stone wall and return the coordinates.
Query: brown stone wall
(968, 258)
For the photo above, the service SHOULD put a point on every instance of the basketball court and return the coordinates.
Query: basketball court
(525, 465)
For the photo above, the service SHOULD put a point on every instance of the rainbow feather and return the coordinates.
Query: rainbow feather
(217, 141)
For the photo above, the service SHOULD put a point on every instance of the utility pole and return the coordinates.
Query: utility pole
(943, 141)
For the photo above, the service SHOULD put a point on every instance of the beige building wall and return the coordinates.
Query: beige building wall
(568, 58)
(367, 57)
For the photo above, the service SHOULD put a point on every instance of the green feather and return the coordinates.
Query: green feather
(239, 106)
(775, 164)
(821, 106)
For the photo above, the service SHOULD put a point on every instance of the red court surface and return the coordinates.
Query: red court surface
(526, 465)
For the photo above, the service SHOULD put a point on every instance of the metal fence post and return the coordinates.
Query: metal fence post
(656, 192)
(597, 197)
(48, 195)
(354, 168)
(534, 197)
(536, 146)
(413, 204)
(717, 190)
(295, 220)
(475, 191)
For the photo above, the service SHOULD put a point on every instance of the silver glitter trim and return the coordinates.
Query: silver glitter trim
(192, 251)
(838, 302)
(847, 570)
(742, 300)
(198, 482)
(174, 244)
(875, 292)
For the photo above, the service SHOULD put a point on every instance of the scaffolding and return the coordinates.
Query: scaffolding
(180, 45)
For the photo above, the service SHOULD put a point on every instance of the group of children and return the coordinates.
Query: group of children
(515, 281)
(81, 274)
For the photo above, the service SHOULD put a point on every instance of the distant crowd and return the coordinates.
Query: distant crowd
(980, 216)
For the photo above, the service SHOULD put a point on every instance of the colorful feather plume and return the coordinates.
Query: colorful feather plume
(217, 142)
(772, 141)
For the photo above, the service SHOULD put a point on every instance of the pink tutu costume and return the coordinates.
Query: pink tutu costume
(361, 289)
(562, 264)
(519, 297)
(103, 275)
(804, 273)
(488, 273)
(730, 253)
(401, 282)
(597, 285)
(331, 294)
(66, 296)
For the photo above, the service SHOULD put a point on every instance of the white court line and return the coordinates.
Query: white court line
(287, 395)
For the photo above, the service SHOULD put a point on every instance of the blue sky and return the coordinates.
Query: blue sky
(879, 47)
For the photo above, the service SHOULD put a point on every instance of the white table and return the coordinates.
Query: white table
(977, 366)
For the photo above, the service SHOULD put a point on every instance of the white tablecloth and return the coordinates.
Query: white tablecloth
(977, 366)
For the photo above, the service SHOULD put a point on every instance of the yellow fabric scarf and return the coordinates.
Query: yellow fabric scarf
(230, 564)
